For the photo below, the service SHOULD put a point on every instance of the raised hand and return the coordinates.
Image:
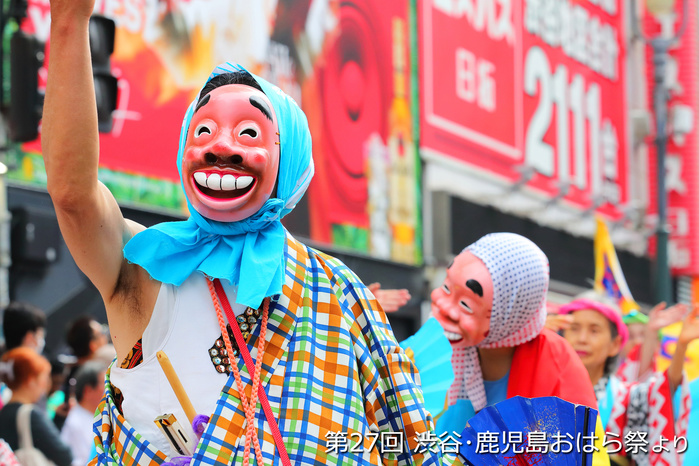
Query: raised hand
(689, 333)
(558, 322)
(391, 300)
(659, 317)
(690, 327)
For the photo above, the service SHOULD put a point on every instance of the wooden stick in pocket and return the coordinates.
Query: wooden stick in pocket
(176, 386)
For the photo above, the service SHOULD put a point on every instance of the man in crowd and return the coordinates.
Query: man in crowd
(24, 325)
(84, 337)
(77, 429)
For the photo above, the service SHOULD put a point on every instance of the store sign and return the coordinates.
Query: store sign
(681, 165)
(348, 65)
(540, 83)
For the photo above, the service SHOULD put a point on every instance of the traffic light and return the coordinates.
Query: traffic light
(26, 102)
(102, 32)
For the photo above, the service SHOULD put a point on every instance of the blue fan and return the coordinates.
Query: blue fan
(431, 352)
(522, 431)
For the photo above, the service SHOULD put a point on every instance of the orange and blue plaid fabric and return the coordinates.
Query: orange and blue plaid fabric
(341, 388)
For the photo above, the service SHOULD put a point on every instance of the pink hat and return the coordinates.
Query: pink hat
(610, 313)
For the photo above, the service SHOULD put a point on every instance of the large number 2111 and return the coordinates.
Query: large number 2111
(555, 89)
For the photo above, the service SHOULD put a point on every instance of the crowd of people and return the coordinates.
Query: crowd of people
(507, 341)
(47, 407)
(632, 397)
(54, 402)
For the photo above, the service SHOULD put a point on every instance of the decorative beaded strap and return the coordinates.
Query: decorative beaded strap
(218, 352)
(218, 294)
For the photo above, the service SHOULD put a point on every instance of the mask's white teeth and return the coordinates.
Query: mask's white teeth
(452, 336)
(228, 182)
(214, 182)
(243, 182)
(200, 178)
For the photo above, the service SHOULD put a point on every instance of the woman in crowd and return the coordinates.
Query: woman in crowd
(28, 375)
(630, 412)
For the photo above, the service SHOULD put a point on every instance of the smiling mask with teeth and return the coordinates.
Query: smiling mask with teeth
(494, 296)
(245, 161)
(462, 305)
(231, 157)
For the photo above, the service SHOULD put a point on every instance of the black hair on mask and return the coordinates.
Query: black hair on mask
(236, 77)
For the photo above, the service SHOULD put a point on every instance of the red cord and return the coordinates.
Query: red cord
(242, 345)
(249, 408)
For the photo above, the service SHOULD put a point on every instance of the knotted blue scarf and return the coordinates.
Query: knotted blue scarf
(249, 253)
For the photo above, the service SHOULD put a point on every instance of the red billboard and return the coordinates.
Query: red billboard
(348, 65)
(681, 164)
(509, 84)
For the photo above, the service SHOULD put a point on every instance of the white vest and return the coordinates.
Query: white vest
(185, 326)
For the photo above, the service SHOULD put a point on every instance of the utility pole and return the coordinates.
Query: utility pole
(660, 45)
(661, 95)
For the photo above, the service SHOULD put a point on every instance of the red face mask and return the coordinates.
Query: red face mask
(463, 304)
(231, 157)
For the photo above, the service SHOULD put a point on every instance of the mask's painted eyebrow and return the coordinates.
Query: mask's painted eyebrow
(202, 102)
(262, 106)
(475, 286)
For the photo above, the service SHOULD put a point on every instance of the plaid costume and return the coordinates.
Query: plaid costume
(331, 369)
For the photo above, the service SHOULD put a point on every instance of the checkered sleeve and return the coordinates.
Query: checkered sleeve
(116, 442)
(393, 399)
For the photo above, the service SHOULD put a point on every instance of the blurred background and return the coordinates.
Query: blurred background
(434, 122)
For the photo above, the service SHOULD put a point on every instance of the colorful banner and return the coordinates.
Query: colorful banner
(609, 278)
(511, 85)
(682, 164)
(348, 64)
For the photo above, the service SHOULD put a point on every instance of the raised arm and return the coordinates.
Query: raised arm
(689, 333)
(89, 217)
(658, 318)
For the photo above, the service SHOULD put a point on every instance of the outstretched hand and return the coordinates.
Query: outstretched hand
(391, 300)
(659, 317)
(690, 327)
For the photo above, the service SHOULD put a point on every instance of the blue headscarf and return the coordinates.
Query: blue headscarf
(249, 253)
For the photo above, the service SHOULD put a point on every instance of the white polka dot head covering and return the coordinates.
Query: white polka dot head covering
(520, 274)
